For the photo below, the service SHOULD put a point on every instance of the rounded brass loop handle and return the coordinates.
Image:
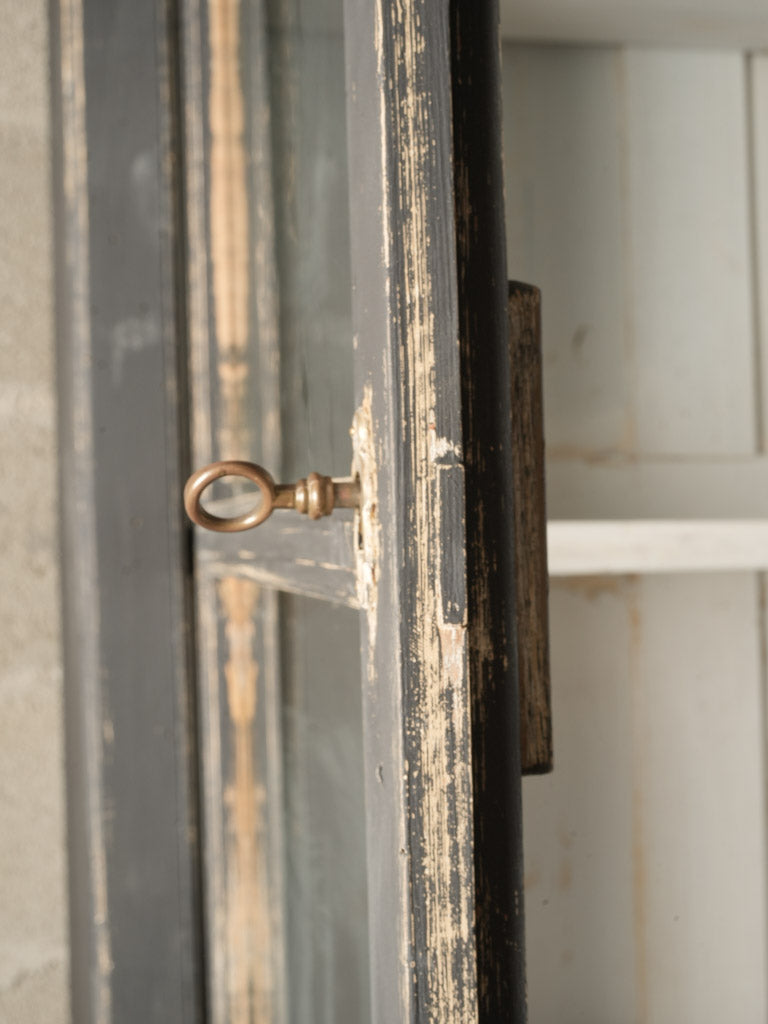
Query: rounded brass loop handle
(204, 477)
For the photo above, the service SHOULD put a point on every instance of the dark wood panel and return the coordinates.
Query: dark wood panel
(531, 571)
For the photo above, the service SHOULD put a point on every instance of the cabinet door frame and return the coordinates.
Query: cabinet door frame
(436, 552)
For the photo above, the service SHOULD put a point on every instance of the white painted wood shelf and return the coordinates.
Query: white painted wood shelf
(635, 546)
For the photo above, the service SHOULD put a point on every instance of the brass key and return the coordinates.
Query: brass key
(314, 495)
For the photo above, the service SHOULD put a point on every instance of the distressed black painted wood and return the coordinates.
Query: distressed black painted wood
(488, 446)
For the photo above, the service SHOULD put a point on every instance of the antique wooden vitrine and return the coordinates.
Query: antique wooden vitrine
(293, 758)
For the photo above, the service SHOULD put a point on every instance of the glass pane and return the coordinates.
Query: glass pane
(310, 187)
(326, 914)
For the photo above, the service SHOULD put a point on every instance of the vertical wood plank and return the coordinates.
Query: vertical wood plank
(531, 578)
(488, 445)
(134, 884)
(412, 559)
(636, 887)
(578, 822)
(701, 829)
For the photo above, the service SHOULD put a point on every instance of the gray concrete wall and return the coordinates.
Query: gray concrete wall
(33, 943)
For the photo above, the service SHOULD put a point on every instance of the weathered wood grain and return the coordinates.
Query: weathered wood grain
(524, 311)
(417, 701)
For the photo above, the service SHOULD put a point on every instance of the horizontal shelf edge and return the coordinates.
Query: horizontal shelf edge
(602, 547)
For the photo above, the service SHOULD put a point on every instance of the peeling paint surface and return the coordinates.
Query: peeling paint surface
(367, 527)
(437, 726)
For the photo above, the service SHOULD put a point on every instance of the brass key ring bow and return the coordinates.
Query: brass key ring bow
(315, 495)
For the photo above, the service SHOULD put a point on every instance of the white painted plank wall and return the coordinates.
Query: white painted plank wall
(688, 252)
(645, 892)
(627, 200)
(698, 737)
(629, 204)
(578, 824)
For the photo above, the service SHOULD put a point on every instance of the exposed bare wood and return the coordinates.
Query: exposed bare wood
(437, 728)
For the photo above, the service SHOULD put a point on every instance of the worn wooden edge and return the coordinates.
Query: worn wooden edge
(412, 549)
(531, 572)
(433, 568)
(490, 489)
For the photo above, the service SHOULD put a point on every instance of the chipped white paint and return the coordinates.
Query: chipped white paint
(441, 449)
(367, 527)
